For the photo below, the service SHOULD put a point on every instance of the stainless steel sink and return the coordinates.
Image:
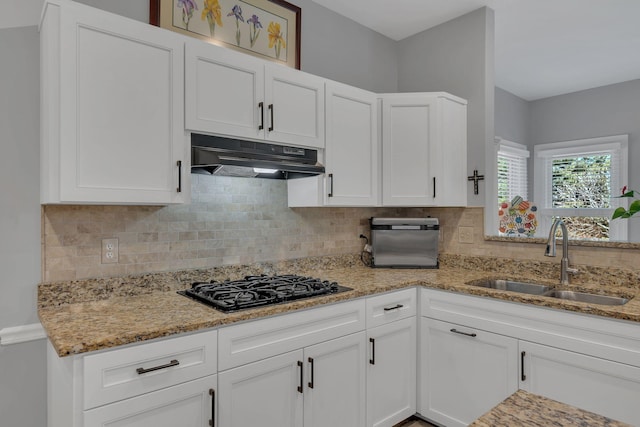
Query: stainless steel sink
(548, 291)
(585, 297)
(513, 286)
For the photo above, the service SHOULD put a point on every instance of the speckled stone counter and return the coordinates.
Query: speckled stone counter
(527, 409)
(97, 314)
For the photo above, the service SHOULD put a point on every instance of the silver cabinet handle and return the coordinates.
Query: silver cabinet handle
(141, 371)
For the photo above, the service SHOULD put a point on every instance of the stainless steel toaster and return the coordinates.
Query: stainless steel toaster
(404, 242)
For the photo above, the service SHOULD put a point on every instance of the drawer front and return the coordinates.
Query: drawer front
(256, 340)
(190, 404)
(382, 309)
(602, 337)
(120, 374)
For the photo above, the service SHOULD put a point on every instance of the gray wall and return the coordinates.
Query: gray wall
(22, 366)
(457, 57)
(333, 47)
(512, 117)
(602, 111)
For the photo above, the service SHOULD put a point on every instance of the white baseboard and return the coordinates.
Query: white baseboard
(24, 333)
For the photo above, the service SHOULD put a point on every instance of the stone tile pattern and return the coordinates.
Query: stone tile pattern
(527, 409)
(230, 221)
(245, 221)
(94, 314)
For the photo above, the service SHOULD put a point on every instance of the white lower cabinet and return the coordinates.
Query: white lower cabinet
(191, 404)
(264, 393)
(607, 388)
(589, 362)
(321, 385)
(335, 393)
(303, 368)
(170, 382)
(464, 372)
(391, 373)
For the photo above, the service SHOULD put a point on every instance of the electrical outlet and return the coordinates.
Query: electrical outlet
(465, 234)
(109, 251)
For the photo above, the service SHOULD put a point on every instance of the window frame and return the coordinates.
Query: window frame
(618, 145)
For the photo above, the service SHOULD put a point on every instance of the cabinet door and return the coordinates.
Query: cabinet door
(224, 91)
(351, 155)
(335, 392)
(464, 372)
(597, 385)
(121, 111)
(449, 153)
(391, 373)
(191, 404)
(408, 127)
(294, 107)
(267, 393)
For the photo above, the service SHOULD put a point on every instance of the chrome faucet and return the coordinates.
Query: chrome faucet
(551, 250)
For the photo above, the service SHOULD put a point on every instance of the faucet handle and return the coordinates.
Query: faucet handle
(573, 271)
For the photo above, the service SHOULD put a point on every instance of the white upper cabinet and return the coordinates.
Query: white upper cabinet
(112, 109)
(351, 153)
(224, 90)
(294, 110)
(234, 94)
(424, 146)
(449, 153)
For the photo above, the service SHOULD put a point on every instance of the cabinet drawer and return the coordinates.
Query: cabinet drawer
(186, 405)
(256, 340)
(392, 306)
(602, 337)
(120, 374)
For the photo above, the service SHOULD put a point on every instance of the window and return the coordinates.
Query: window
(512, 171)
(576, 180)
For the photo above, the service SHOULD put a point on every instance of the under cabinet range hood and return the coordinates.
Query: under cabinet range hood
(233, 157)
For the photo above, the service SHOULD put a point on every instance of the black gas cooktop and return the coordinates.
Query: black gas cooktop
(258, 291)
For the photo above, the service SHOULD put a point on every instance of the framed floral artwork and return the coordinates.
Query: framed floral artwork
(269, 29)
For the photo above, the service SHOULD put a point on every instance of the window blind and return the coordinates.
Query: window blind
(512, 174)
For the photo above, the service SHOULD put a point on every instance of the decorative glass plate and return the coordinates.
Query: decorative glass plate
(517, 218)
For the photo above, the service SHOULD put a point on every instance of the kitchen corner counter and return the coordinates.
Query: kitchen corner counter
(527, 409)
(98, 314)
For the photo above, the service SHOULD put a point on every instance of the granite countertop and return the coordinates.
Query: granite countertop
(526, 409)
(98, 314)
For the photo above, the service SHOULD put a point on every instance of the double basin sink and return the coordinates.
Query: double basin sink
(548, 291)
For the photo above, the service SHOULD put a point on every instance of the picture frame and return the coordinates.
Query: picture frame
(269, 29)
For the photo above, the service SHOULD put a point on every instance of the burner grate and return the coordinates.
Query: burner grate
(256, 291)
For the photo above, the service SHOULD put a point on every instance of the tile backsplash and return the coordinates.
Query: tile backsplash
(229, 221)
(242, 221)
